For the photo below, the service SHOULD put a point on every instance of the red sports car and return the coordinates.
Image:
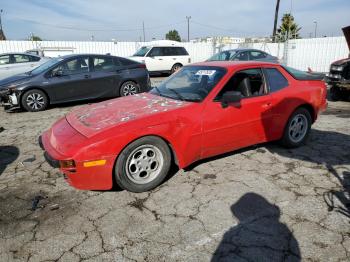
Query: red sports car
(203, 110)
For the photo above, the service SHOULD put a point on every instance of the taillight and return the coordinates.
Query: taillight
(142, 66)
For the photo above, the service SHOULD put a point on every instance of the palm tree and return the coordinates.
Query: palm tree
(275, 21)
(288, 29)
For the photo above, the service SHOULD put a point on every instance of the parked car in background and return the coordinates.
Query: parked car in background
(244, 54)
(72, 78)
(16, 63)
(339, 74)
(205, 109)
(162, 59)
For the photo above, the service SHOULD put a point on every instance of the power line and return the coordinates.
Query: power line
(101, 30)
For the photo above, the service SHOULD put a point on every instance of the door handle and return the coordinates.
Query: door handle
(87, 76)
(160, 59)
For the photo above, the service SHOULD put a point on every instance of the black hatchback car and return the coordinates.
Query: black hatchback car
(73, 78)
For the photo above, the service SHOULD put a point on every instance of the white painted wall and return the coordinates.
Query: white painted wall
(316, 53)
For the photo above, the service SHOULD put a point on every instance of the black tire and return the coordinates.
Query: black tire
(129, 88)
(290, 137)
(34, 100)
(335, 93)
(134, 172)
(175, 68)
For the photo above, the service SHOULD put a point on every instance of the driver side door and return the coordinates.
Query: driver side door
(74, 83)
(239, 124)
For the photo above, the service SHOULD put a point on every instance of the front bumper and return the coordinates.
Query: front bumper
(80, 177)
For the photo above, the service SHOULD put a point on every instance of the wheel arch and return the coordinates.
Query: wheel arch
(310, 109)
(127, 80)
(32, 88)
(174, 156)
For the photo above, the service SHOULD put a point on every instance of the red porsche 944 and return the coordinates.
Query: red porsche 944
(203, 110)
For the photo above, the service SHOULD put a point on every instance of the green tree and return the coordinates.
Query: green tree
(35, 38)
(288, 28)
(173, 35)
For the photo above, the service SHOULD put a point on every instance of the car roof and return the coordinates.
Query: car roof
(19, 53)
(244, 49)
(233, 64)
(77, 55)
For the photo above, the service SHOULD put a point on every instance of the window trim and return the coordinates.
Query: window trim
(68, 60)
(266, 89)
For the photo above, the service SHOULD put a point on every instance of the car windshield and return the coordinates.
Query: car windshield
(191, 83)
(142, 52)
(42, 68)
(223, 56)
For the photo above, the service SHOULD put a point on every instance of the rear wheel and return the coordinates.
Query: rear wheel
(143, 164)
(129, 88)
(297, 128)
(34, 100)
(176, 68)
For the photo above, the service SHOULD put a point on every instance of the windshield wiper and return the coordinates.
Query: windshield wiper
(177, 94)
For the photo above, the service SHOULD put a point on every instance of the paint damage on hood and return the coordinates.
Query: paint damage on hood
(96, 117)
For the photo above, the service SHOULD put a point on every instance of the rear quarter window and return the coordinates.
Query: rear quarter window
(275, 79)
(124, 61)
(34, 58)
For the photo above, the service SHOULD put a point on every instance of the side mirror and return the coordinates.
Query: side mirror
(58, 73)
(230, 97)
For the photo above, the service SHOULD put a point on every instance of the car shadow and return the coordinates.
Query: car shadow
(8, 154)
(259, 235)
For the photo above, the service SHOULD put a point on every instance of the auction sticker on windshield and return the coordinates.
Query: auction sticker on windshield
(205, 72)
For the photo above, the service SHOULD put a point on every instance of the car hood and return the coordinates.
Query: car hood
(95, 118)
(12, 79)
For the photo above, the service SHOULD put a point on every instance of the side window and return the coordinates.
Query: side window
(243, 56)
(256, 55)
(248, 82)
(4, 59)
(182, 51)
(124, 61)
(21, 59)
(275, 79)
(103, 64)
(74, 66)
(34, 58)
(156, 51)
(170, 51)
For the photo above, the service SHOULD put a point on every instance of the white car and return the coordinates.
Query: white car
(17, 63)
(167, 59)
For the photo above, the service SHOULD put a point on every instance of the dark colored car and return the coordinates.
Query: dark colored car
(339, 74)
(73, 78)
(244, 54)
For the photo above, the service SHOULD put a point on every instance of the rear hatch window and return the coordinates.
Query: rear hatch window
(302, 75)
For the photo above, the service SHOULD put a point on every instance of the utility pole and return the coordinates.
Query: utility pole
(143, 29)
(0, 20)
(315, 22)
(188, 27)
(275, 21)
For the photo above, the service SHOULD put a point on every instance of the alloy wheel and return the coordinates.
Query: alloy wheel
(298, 128)
(35, 101)
(144, 164)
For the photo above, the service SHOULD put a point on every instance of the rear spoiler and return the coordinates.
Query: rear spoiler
(346, 31)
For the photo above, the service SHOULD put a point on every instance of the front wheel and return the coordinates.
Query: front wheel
(143, 164)
(297, 128)
(129, 88)
(34, 100)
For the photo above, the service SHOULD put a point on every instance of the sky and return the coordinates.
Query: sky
(122, 20)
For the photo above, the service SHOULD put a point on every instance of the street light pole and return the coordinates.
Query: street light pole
(315, 22)
(188, 27)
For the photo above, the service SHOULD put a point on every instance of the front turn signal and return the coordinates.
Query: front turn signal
(101, 162)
